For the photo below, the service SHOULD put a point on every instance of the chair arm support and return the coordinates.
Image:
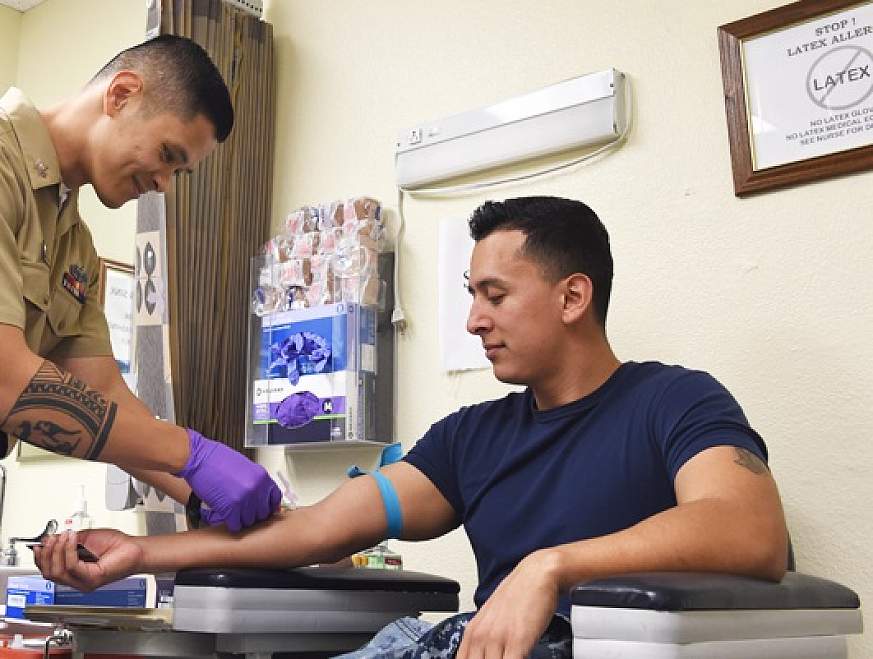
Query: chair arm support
(699, 591)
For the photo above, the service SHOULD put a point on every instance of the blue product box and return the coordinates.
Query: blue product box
(23, 591)
(129, 592)
(319, 363)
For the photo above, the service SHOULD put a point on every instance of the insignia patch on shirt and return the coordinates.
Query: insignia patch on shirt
(75, 282)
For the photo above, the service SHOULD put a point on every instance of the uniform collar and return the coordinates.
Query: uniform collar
(70, 213)
(34, 138)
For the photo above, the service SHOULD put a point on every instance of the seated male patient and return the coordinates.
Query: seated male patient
(598, 467)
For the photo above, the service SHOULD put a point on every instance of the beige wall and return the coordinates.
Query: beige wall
(10, 30)
(62, 44)
(771, 294)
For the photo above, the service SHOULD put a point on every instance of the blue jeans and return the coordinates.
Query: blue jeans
(411, 638)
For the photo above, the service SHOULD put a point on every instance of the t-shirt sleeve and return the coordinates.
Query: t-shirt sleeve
(432, 456)
(696, 413)
(12, 310)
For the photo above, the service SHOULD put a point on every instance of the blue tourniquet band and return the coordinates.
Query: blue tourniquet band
(392, 504)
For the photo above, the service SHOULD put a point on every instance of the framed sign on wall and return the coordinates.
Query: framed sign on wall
(116, 294)
(798, 87)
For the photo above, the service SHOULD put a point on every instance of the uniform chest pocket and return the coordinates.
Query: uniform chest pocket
(63, 313)
(35, 284)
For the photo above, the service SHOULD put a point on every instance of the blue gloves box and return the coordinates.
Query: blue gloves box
(131, 592)
(313, 375)
(23, 591)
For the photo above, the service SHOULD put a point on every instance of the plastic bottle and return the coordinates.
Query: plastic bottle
(79, 519)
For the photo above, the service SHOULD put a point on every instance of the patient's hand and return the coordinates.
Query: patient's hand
(119, 556)
(517, 613)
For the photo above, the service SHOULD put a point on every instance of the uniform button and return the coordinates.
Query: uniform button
(41, 168)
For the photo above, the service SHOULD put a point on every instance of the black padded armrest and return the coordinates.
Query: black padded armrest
(318, 578)
(698, 591)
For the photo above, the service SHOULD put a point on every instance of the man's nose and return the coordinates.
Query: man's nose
(477, 321)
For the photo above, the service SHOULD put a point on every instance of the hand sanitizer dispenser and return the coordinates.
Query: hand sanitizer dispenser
(79, 519)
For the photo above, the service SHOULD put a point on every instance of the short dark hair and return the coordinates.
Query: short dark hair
(180, 77)
(563, 236)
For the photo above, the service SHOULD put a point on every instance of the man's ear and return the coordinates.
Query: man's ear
(124, 88)
(577, 292)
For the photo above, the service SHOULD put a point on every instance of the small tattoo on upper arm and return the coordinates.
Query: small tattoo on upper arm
(745, 458)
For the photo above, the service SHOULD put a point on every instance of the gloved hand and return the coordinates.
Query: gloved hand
(238, 491)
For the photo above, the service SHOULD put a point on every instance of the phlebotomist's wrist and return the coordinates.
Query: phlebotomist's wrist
(177, 446)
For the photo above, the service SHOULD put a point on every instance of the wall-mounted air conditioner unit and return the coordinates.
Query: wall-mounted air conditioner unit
(582, 111)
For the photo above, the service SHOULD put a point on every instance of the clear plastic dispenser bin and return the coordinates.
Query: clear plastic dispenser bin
(312, 371)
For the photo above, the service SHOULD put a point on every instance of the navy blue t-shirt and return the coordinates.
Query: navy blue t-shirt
(522, 479)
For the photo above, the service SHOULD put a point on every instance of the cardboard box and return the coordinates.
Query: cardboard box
(327, 353)
(23, 591)
(133, 592)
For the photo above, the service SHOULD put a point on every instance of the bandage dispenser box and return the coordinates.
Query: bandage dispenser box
(24, 591)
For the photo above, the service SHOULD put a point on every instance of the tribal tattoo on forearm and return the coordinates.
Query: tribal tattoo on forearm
(62, 414)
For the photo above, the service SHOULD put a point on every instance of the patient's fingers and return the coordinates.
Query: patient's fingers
(71, 564)
(57, 560)
(71, 556)
(54, 555)
(55, 546)
(37, 558)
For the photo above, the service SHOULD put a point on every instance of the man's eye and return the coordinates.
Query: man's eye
(496, 299)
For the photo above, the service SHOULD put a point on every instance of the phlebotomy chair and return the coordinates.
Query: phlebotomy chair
(676, 615)
(254, 613)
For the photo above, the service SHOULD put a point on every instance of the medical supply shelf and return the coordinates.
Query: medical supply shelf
(330, 447)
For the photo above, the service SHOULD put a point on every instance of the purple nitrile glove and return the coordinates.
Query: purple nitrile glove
(298, 409)
(238, 491)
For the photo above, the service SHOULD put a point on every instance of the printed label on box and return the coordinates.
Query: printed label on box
(24, 591)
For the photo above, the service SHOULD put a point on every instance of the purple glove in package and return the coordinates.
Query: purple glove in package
(237, 491)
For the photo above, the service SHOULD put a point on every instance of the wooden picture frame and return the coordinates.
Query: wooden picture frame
(116, 297)
(785, 134)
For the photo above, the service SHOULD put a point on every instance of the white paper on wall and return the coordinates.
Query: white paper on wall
(460, 350)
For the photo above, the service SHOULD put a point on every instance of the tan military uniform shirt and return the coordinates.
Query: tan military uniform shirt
(49, 270)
